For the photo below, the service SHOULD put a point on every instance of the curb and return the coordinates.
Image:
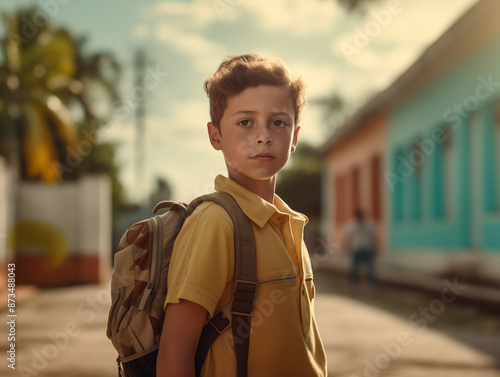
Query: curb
(487, 297)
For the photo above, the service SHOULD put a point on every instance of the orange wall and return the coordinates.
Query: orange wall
(357, 152)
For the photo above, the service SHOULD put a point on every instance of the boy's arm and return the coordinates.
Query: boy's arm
(179, 339)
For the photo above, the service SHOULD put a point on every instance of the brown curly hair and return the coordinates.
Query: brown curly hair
(236, 73)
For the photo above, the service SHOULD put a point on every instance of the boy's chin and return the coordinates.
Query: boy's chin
(239, 175)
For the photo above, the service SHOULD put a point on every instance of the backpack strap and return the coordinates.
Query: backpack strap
(245, 287)
(216, 325)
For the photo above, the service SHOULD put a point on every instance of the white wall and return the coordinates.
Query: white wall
(78, 211)
(4, 204)
(94, 233)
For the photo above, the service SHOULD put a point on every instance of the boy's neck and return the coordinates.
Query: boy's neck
(265, 189)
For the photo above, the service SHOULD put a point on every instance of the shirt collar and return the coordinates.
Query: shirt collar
(257, 209)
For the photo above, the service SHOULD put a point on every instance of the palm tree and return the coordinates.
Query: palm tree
(43, 79)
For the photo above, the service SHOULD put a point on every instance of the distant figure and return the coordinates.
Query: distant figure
(360, 242)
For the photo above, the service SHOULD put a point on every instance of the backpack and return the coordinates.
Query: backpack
(139, 288)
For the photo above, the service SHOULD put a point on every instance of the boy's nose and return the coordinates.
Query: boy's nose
(264, 136)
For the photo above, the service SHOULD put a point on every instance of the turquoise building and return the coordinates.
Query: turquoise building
(443, 173)
(441, 155)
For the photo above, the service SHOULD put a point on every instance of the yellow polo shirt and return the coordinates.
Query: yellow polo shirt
(285, 340)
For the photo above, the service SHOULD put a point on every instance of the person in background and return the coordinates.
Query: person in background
(360, 241)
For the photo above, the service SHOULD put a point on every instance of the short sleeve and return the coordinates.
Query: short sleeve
(203, 258)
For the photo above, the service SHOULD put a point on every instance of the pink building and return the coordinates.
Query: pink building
(355, 157)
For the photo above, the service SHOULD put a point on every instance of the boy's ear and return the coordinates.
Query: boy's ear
(295, 138)
(214, 135)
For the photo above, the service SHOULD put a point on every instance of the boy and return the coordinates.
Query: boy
(255, 107)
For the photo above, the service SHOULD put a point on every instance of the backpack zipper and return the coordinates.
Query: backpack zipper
(120, 370)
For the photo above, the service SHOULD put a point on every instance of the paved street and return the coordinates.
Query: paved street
(61, 332)
(363, 340)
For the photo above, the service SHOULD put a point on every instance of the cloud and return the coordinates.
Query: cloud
(296, 17)
(398, 42)
(176, 147)
(179, 149)
(197, 14)
(140, 31)
(181, 26)
(312, 127)
(189, 115)
(424, 21)
(318, 78)
(205, 53)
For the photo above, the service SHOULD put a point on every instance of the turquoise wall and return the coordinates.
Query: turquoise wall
(427, 210)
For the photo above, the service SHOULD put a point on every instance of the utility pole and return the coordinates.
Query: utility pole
(140, 105)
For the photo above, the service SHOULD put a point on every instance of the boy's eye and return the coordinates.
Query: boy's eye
(244, 123)
(278, 123)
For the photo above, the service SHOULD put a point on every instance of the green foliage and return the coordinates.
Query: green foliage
(48, 106)
(163, 191)
(300, 183)
(302, 191)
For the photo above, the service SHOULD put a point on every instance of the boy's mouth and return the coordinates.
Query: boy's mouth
(263, 157)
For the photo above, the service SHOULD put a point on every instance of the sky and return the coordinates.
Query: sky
(355, 55)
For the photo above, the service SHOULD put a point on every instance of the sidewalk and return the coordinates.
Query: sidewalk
(485, 296)
(362, 341)
(61, 332)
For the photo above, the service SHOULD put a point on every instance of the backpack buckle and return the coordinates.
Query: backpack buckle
(220, 321)
(243, 297)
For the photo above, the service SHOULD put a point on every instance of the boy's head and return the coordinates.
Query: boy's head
(237, 73)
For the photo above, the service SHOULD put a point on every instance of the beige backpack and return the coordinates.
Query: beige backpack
(139, 288)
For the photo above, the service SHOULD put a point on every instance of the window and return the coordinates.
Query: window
(497, 155)
(491, 161)
(475, 178)
(437, 175)
(417, 158)
(448, 174)
(341, 200)
(356, 190)
(397, 203)
(444, 167)
(376, 199)
(339, 196)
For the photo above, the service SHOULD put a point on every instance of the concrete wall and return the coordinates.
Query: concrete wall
(62, 232)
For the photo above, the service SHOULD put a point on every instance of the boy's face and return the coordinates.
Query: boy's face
(257, 133)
